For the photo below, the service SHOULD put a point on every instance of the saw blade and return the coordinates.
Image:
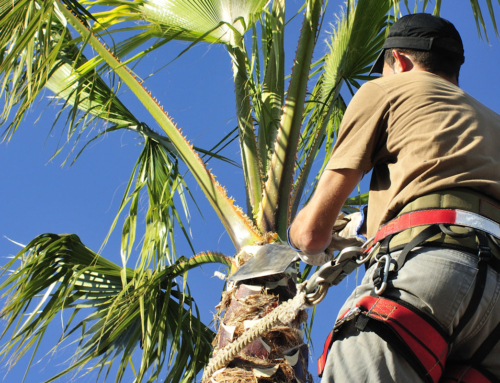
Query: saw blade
(267, 260)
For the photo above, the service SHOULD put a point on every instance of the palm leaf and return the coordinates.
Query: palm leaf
(84, 90)
(274, 212)
(259, 102)
(303, 191)
(67, 73)
(27, 49)
(86, 95)
(157, 172)
(214, 21)
(272, 95)
(475, 6)
(248, 140)
(239, 227)
(128, 308)
(354, 45)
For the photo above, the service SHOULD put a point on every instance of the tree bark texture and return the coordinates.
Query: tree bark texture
(280, 354)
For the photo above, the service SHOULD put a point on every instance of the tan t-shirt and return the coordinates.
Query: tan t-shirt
(420, 134)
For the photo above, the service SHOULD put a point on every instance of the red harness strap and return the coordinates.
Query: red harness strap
(427, 344)
(326, 348)
(438, 216)
(328, 344)
(423, 345)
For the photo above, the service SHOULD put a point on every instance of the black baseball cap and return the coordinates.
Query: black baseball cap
(421, 31)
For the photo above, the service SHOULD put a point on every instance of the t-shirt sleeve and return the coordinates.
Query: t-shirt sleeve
(362, 130)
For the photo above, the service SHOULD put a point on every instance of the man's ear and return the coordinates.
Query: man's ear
(402, 62)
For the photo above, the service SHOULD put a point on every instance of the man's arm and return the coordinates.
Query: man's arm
(311, 230)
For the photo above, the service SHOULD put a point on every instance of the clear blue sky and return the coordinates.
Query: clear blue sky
(39, 196)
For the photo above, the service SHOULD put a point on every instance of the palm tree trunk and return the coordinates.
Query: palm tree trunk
(280, 354)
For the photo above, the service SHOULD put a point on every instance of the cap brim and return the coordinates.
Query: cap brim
(378, 67)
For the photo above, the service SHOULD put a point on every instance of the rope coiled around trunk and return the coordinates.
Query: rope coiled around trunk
(284, 314)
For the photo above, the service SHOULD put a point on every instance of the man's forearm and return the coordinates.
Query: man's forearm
(311, 230)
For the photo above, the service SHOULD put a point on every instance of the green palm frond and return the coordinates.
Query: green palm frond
(273, 84)
(274, 212)
(266, 79)
(478, 16)
(477, 12)
(213, 21)
(156, 171)
(259, 101)
(89, 93)
(85, 91)
(123, 309)
(322, 121)
(252, 168)
(88, 99)
(353, 204)
(355, 43)
(239, 227)
(57, 63)
(309, 139)
(28, 50)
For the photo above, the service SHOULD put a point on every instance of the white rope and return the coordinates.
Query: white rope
(284, 313)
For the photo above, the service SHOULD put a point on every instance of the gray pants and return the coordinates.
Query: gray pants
(439, 282)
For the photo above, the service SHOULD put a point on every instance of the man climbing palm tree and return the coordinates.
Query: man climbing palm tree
(427, 308)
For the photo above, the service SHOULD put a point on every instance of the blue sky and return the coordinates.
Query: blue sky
(39, 196)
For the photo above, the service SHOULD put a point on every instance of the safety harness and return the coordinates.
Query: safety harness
(462, 220)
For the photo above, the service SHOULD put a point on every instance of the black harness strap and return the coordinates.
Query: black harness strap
(486, 347)
(426, 234)
(401, 326)
(484, 254)
(472, 371)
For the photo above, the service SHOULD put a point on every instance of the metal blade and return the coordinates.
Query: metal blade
(267, 260)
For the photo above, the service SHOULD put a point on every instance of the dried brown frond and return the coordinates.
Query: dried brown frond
(281, 340)
(235, 375)
(226, 298)
(285, 374)
(269, 237)
(253, 307)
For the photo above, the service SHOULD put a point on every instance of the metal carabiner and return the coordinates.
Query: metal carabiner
(313, 283)
(387, 267)
(368, 256)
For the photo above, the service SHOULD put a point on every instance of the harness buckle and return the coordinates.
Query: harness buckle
(350, 315)
(484, 253)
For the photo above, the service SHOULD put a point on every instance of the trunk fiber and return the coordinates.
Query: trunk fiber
(280, 354)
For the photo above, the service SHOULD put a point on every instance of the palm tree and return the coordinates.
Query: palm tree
(76, 49)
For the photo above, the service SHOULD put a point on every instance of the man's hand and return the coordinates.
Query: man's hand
(316, 259)
(347, 232)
